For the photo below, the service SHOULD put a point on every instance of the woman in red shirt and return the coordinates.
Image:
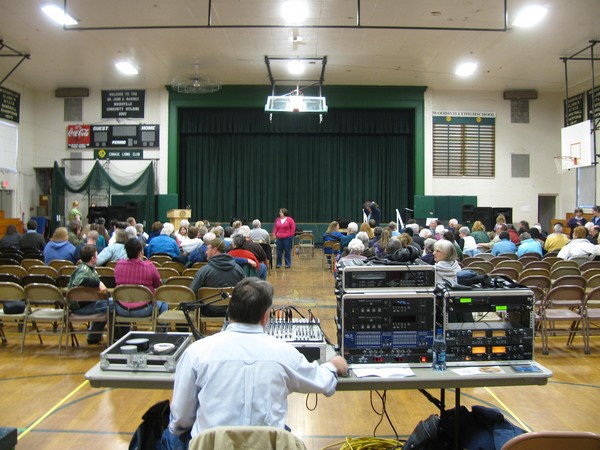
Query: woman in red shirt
(284, 231)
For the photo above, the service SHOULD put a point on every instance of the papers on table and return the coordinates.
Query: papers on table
(383, 372)
(482, 370)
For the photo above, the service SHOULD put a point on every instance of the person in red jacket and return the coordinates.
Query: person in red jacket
(284, 231)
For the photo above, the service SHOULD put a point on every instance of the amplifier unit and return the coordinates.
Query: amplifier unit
(487, 324)
(304, 334)
(386, 327)
(362, 278)
(488, 341)
(489, 300)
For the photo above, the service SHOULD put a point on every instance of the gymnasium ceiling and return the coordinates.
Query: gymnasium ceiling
(511, 59)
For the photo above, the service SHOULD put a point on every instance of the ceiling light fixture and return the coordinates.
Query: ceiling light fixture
(295, 67)
(126, 67)
(530, 16)
(58, 15)
(294, 11)
(465, 69)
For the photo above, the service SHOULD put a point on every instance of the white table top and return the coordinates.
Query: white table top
(425, 378)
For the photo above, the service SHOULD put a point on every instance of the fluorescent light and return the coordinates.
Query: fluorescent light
(126, 67)
(530, 16)
(466, 69)
(296, 67)
(58, 15)
(294, 11)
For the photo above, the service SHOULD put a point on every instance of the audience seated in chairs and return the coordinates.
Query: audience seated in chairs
(199, 255)
(470, 245)
(245, 258)
(579, 247)
(221, 271)
(32, 240)
(256, 249)
(115, 251)
(164, 243)
(258, 234)
(85, 275)
(59, 247)
(505, 245)
(528, 245)
(137, 271)
(12, 238)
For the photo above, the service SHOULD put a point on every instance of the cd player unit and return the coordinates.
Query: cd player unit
(387, 277)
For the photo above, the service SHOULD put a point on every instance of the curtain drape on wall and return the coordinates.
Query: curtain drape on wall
(235, 163)
(138, 189)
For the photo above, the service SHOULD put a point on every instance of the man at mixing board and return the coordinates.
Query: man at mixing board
(242, 376)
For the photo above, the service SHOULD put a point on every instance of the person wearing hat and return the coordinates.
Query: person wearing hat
(221, 271)
(74, 213)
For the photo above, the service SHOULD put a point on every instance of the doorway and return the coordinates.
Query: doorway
(546, 210)
(6, 203)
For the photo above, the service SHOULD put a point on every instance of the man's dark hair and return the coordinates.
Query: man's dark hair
(32, 225)
(251, 298)
(192, 232)
(449, 236)
(87, 253)
(504, 235)
(409, 231)
(133, 247)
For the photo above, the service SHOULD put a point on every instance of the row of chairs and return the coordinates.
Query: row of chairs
(331, 249)
(9, 255)
(517, 271)
(46, 303)
(551, 257)
(569, 310)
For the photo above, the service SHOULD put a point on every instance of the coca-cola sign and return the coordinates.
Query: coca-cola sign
(78, 136)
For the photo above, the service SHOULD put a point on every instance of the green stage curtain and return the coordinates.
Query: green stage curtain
(236, 163)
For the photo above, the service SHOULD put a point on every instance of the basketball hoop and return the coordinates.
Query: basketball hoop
(565, 163)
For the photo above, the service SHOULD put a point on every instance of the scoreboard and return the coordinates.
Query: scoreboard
(125, 136)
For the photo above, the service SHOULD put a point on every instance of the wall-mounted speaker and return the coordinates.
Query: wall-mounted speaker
(72, 92)
(506, 212)
(524, 94)
(484, 214)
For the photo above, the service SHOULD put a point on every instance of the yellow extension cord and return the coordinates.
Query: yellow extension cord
(366, 443)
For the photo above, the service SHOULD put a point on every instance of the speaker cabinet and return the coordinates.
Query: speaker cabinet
(484, 214)
(506, 212)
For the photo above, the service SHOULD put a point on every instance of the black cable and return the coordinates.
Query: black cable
(383, 413)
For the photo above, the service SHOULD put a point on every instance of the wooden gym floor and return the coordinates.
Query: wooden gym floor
(46, 397)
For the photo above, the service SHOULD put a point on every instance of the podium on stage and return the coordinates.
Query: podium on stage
(175, 216)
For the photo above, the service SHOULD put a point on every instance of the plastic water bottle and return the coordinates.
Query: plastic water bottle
(439, 352)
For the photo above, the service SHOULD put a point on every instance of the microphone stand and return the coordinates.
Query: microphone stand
(187, 307)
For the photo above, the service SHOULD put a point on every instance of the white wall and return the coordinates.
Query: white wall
(43, 140)
(540, 138)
